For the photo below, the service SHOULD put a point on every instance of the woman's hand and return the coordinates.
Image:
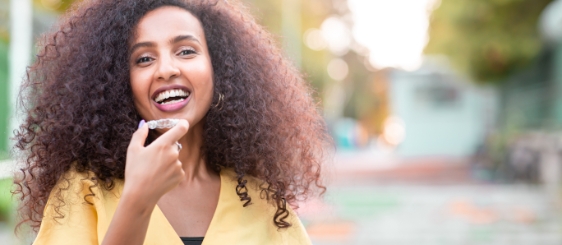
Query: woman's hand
(152, 171)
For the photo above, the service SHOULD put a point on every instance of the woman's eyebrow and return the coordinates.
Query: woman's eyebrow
(184, 37)
(141, 45)
(174, 40)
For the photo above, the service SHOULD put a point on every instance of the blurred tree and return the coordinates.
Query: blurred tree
(367, 94)
(365, 91)
(312, 14)
(486, 39)
(58, 6)
(377, 110)
(4, 20)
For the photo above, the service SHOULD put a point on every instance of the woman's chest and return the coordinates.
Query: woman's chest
(190, 211)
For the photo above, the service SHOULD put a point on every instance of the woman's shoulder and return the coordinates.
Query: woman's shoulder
(252, 184)
(73, 182)
(72, 212)
(257, 217)
(80, 187)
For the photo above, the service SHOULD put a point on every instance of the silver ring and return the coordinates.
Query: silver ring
(179, 146)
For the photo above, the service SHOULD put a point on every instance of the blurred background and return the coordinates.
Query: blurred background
(447, 114)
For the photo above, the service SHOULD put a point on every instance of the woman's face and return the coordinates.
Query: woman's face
(170, 65)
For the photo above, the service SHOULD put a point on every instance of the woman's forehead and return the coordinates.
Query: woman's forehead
(168, 21)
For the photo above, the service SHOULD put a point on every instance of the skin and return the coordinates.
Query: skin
(158, 59)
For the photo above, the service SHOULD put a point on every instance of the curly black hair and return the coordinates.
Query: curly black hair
(79, 108)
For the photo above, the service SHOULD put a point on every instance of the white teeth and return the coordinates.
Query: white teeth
(172, 102)
(170, 93)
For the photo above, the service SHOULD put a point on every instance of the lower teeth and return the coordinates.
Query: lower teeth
(172, 102)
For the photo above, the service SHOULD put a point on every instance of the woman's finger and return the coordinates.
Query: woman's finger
(175, 133)
(139, 137)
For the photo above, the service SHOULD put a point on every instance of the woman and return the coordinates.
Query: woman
(248, 144)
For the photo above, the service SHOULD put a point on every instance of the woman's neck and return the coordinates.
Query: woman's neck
(191, 156)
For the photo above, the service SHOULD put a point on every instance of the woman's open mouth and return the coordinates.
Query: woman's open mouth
(171, 99)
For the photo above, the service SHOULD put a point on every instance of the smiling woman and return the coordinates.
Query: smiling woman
(248, 143)
(171, 71)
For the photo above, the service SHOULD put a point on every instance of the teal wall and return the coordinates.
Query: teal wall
(442, 115)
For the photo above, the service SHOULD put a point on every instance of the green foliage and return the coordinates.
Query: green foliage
(4, 100)
(312, 13)
(6, 202)
(4, 155)
(486, 39)
(58, 6)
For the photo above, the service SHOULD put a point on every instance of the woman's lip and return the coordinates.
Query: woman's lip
(170, 87)
(172, 107)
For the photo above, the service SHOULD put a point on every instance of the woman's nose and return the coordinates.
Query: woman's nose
(167, 69)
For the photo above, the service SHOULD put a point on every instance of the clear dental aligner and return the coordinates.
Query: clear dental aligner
(162, 123)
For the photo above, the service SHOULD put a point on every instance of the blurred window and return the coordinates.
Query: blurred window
(438, 96)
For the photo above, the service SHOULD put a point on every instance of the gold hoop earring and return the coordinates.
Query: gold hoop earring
(221, 98)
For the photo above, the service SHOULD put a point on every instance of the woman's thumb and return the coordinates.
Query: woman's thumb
(139, 137)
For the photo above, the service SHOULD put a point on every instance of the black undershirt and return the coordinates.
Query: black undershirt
(192, 240)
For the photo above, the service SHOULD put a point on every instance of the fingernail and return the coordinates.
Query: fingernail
(141, 123)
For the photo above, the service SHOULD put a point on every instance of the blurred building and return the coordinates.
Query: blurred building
(442, 114)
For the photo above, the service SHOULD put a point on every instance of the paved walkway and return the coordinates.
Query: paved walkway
(429, 202)
(434, 215)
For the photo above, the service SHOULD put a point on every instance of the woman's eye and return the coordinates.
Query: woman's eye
(187, 52)
(143, 60)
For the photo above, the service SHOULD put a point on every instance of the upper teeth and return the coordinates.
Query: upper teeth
(170, 93)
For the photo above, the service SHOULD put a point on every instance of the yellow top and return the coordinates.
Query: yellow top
(231, 223)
